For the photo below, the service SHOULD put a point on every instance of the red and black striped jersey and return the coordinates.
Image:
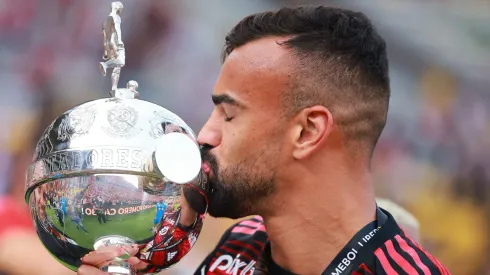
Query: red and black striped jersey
(172, 242)
(244, 249)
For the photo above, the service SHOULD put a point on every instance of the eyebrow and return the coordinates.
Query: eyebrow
(224, 98)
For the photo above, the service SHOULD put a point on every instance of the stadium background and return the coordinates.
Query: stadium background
(432, 158)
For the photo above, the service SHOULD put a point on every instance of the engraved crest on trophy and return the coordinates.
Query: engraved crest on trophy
(77, 123)
(122, 121)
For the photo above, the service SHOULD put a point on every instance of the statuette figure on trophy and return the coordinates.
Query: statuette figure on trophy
(114, 52)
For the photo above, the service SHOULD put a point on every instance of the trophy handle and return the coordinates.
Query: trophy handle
(118, 266)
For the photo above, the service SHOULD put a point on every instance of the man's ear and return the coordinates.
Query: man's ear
(311, 129)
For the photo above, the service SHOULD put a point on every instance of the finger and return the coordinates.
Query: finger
(100, 259)
(107, 249)
(131, 249)
(110, 248)
(90, 270)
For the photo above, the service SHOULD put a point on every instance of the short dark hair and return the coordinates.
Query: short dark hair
(341, 64)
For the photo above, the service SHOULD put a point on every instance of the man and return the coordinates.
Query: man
(77, 219)
(160, 207)
(301, 100)
(58, 211)
(63, 203)
(100, 211)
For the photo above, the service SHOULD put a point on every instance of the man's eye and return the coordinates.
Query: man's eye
(225, 115)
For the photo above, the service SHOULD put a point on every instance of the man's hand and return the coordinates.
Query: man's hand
(92, 262)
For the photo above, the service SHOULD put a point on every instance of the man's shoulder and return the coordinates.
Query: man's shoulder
(238, 250)
(402, 255)
(248, 227)
(246, 232)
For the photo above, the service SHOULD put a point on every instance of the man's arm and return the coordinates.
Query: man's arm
(19, 244)
(19, 247)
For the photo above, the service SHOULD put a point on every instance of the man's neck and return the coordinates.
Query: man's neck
(314, 222)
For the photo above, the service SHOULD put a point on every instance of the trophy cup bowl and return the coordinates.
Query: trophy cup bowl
(117, 172)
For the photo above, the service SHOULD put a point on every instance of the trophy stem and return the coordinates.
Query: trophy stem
(119, 266)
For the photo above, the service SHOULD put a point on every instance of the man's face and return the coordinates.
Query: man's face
(242, 140)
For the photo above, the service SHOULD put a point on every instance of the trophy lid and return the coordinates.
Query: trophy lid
(116, 135)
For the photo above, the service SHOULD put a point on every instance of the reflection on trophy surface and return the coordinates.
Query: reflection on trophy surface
(118, 173)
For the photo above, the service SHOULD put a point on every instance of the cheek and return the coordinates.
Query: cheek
(238, 143)
(232, 149)
(246, 143)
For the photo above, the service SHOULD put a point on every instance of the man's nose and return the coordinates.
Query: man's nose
(210, 134)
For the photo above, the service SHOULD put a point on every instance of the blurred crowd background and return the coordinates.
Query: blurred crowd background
(433, 157)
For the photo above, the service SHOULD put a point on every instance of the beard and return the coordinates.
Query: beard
(236, 190)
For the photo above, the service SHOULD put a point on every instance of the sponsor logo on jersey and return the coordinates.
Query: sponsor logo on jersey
(229, 265)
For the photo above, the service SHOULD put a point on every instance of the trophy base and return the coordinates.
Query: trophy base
(118, 266)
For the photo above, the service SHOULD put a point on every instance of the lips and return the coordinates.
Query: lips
(206, 168)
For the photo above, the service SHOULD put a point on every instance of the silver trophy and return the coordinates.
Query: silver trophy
(117, 173)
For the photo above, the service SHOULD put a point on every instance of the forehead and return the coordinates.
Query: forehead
(256, 72)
